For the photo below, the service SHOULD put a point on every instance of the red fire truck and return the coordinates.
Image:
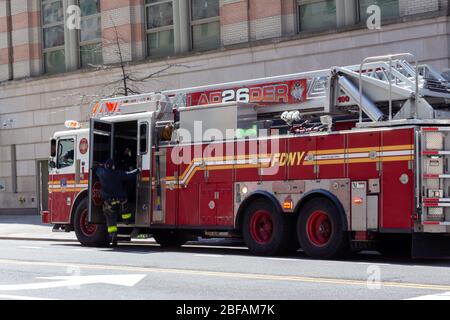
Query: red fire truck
(329, 161)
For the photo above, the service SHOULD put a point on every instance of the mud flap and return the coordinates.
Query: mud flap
(430, 246)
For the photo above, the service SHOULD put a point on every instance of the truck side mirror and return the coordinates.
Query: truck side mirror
(52, 164)
(53, 148)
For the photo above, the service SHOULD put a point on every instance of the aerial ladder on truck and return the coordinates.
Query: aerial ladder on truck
(340, 109)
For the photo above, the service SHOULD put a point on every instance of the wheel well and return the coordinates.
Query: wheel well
(245, 204)
(83, 195)
(324, 194)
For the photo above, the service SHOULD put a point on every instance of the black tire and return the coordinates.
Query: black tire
(98, 237)
(266, 232)
(170, 239)
(321, 230)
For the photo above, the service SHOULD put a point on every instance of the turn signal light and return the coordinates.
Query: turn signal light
(358, 201)
(288, 204)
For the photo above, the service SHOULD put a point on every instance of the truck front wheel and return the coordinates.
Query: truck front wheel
(89, 235)
(266, 232)
(321, 231)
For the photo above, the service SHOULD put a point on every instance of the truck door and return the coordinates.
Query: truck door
(143, 183)
(100, 149)
(63, 179)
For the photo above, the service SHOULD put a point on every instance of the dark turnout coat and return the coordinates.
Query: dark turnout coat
(113, 183)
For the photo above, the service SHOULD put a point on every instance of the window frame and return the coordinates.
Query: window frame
(157, 29)
(92, 41)
(197, 22)
(50, 25)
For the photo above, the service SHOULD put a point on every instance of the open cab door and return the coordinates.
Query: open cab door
(100, 150)
(144, 182)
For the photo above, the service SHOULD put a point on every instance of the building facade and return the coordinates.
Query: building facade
(57, 56)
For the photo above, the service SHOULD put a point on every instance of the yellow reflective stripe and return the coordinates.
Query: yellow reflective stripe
(126, 216)
(112, 229)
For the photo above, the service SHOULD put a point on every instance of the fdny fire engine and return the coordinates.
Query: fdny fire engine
(330, 161)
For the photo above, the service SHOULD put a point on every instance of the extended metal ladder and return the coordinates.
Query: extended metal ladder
(382, 80)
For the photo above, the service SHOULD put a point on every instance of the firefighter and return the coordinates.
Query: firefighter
(114, 194)
(128, 163)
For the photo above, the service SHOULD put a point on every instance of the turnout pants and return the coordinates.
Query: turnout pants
(112, 209)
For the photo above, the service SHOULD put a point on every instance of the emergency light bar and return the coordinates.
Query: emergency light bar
(72, 124)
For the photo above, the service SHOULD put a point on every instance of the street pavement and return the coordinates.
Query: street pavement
(59, 269)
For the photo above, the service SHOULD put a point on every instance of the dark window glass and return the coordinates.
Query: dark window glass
(90, 29)
(53, 12)
(206, 36)
(91, 54)
(55, 61)
(66, 153)
(318, 15)
(202, 9)
(54, 36)
(161, 43)
(389, 8)
(89, 7)
(160, 15)
(143, 141)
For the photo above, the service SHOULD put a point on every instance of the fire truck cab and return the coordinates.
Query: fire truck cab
(348, 158)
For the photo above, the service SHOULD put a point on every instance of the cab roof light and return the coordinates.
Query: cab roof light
(72, 124)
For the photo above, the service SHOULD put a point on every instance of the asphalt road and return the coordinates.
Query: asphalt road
(58, 270)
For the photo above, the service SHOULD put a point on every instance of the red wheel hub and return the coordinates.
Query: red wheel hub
(319, 228)
(87, 228)
(261, 227)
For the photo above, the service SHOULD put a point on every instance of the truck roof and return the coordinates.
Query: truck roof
(71, 133)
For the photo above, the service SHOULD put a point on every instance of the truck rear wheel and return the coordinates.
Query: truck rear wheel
(89, 235)
(321, 231)
(266, 232)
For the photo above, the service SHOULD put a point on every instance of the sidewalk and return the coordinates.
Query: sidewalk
(30, 228)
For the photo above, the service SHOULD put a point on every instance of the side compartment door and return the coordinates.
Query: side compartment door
(100, 149)
(143, 184)
(397, 180)
(331, 156)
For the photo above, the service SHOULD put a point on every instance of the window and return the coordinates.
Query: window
(389, 8)
(205, 24)
(66, 153)
(53, 36)
(90, 33)
(160, 30)
(317, 15)
(143, 140)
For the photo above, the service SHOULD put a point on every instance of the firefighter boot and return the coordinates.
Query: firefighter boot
(113, 239)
